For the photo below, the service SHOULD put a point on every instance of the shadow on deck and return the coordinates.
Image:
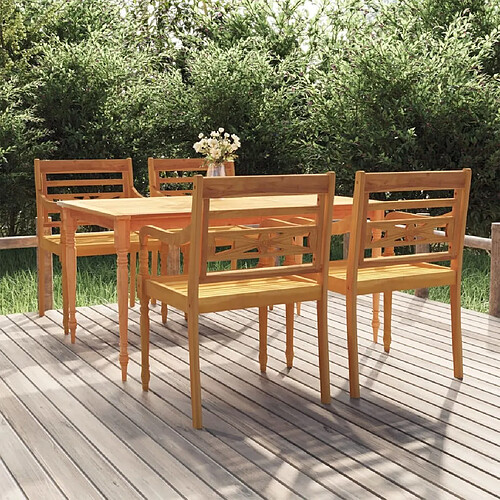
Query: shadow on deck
(70, 428)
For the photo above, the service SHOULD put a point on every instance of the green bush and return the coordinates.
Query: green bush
(358, 85)
(22, 138)
(227, 88)
(420, 102)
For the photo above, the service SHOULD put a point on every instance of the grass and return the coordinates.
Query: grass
(475, 282)
(96, 281)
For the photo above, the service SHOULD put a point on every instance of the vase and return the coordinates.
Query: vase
(216, 170)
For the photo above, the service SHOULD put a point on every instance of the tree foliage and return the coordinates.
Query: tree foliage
(346, 85)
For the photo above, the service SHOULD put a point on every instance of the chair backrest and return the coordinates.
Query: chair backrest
(78, 180)
(260, 242)
(402, 225)
(174, 176)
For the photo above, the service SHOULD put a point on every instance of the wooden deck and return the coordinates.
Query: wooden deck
(70, 428)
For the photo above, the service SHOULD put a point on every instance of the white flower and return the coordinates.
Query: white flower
(236, 140)
(218, 147)
(215, 152)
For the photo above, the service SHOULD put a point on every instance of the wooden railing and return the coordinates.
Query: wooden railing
(491, 245)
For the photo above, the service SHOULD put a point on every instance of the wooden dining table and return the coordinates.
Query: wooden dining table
(126, 215)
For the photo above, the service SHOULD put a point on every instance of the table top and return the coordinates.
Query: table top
(180, 205)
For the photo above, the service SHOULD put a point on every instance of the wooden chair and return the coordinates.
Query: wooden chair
(78, 179)
(201, 291)
(174, 177)
(361, 274)
(166, 176)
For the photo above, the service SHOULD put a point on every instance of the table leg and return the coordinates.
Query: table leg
(174, 260)
(122, 244)
(68, 261)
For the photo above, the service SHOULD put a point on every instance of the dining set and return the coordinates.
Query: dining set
(251, 242)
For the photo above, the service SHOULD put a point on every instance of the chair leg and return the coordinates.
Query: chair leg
(387, 320)
(145, 374)
(65, 291)
(289, 334)
(164, 272)
(133, 273)
(41, 260)
(154, 269)
(263, 338)
(164, 313)
(376, 317)
(456, 331)
(298, 308)
(194, 369)
(324, 363)
(352, 345)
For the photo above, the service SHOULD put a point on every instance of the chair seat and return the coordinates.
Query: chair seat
(87, 244)
(241, 294)
(392, 277)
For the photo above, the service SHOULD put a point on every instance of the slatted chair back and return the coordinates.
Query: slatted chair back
(402, 225)
(173, 176)
(57, 180)
(263, 242)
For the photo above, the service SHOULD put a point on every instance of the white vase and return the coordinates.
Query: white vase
(216, 170)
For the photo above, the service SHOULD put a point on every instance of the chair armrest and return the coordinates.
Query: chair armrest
(49, 205)
(175, 237)
(136, 194)
(342, 226)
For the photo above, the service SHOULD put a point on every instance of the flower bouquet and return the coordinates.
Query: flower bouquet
(217, 148)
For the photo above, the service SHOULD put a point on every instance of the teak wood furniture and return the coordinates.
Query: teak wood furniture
(57, 180)
(200, 291)
(126, 215)
(169, 176)
(361, 274)
(174, 177)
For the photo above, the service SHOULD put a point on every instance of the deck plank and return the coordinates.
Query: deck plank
(128, 399)
(382, 378)
(484, 329)
(24, 467)
(17, 458)
(373, 360)
(466, 440)
(413, 360)
(64, 472)
(410, 461)
(133, 452)
(10, 488)
(316, 427)
(438, 335)
(415, 432)
(177, 375)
